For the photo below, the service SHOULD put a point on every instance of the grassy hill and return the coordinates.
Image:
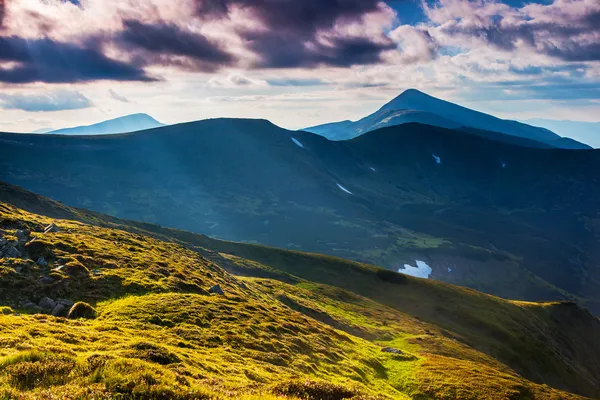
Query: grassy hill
(289, 324)
(508, 220)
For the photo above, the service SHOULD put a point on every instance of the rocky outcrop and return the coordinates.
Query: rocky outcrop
(217, 290)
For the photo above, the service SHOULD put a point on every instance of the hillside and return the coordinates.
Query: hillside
(413, 106)
(507, 220)
(128, 123)
(287, 324)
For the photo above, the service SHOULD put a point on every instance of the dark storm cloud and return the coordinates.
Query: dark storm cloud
(277, 51)
(290, 28)
(159, 43)
(302, 17)
(45, 60)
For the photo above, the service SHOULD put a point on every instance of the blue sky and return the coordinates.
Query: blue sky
(297, 63)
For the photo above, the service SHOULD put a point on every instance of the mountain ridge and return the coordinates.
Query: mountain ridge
(124, 124)
(421, 107)
(486, 206)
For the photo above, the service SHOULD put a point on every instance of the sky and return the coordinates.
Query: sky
(295, 62)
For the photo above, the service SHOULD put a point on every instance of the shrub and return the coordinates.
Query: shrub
(150, 352)
(33, 369)
(82, 310)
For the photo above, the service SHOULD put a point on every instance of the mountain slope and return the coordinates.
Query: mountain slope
(415, 106)
(128, 123)
(587, 132)
(159, 333)
(508, 220)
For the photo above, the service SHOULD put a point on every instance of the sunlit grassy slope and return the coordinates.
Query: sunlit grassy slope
(290, 325)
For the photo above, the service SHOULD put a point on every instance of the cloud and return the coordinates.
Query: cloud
(45, 60)
(296, 82)
(236, 81)
(117, 96)
(568, 30)
(415, 44)
(168, 44)
(55, 101)
(308, 33)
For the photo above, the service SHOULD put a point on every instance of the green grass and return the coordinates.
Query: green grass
(291, 325)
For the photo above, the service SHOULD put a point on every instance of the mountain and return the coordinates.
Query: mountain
(128, 123)
(513, 221)
(42, 130)
(415, 106)
(587, 132)
(146, 319)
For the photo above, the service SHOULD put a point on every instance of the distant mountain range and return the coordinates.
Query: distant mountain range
(126, 124)
(415, 106)
(587, 132)
(504, 218)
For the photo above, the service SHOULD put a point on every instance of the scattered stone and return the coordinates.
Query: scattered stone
(82, 310)
(66, 302)
(392, 350)
(32, 307)
(46, 280)
(59, 310)
(12, 252)
(3, 242)
(52, 228)
(216, 290)
(96, 272)
(47, 303)
(42, 262)
(23, 235)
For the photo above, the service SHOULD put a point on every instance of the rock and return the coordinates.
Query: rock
(82, 310)
(42, 262)
(52, 228)
(216, 290)
(46, 280)
(23, 235)
(392, 350)
(59, 310)
(96, 272)
(12, 252)
(47, 303)
(66, 302)
(32, 307)
(3, 242)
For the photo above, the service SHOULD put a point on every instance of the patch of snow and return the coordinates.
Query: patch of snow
(449, 269)
(344, 189)
(422, 270)
(503, 165)
(298, 143)
(437, 159)
(373, 169)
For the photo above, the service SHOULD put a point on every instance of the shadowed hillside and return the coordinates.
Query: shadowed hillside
(508, 220)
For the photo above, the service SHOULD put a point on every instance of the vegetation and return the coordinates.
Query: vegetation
(290, 324)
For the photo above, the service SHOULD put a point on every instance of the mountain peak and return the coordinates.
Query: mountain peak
(124, 124)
